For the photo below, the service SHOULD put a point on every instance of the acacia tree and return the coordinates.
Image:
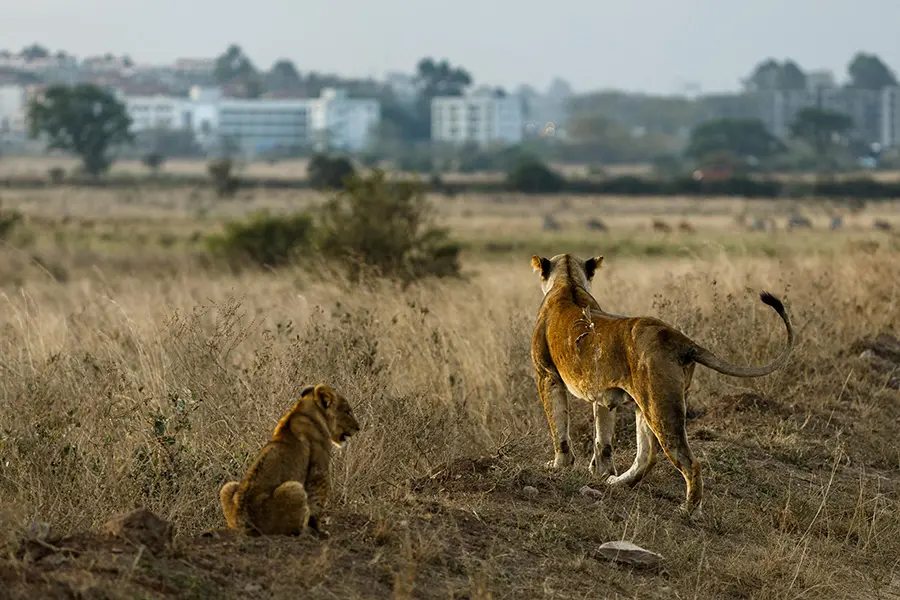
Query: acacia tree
(437, 79)
(822, 130)
(84, 119)
(741, 138)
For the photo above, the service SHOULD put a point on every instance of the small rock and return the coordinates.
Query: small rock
(589, 492)
(628, 553)
(141, 527)
(252, 587)
(868, 355)
(530, 490)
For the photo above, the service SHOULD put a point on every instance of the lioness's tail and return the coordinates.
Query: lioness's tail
(708, 359)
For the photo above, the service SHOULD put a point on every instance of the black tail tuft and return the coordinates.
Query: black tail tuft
(772, 301)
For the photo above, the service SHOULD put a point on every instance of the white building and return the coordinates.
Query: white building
(890, 121)
(332, 121)
(342, 123)
(482, 119)
(158, 112)
(14, 101)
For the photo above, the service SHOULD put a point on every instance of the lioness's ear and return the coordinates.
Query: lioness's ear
(540, 264)
(323, 395)
(307, 390)
(591, 265)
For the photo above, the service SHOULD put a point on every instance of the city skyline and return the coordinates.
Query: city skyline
(654, 48)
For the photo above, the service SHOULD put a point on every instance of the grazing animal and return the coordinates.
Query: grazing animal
(550, 223)
(661, 226)
(606, 359)
(686, 227)
(798, 222)
(596, 225)
(286, 488)
(881, 225)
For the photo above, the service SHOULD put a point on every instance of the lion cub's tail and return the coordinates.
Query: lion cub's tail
(707, 358)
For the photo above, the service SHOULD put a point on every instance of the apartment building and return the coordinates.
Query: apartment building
(873, 112)
(158, 112)
(483, 119)
(331, 122)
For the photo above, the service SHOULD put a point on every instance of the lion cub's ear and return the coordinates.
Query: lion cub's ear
(307, 390)
(591, 265)
(541, 264)
(323, 395)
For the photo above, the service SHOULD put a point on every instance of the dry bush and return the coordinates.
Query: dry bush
(156, 392)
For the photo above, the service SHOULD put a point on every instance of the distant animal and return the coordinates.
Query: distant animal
(661, 226)
(550, 223)
(286, 488)
(686, 227)
(606, 359)
(798, 222)
(596, 225)
(882, 225)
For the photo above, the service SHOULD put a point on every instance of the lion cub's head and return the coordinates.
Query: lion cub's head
(565, 267)
(338, 413)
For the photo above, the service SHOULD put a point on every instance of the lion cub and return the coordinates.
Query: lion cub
(287, 486)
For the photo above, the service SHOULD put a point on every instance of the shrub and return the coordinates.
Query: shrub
(265, 240)
(531, 176)
(224, 182)
(326, 173)
(388, 227)
(154, 161)
(9, 219)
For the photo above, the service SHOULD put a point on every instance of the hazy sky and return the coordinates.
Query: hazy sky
(640, 45)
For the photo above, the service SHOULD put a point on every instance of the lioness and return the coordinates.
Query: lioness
(604, 359)
(287, 486)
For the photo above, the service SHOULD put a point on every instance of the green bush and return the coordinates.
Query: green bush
(224, 182)
(531, 176)
(327, 173)
(264, 240)
(386, 227)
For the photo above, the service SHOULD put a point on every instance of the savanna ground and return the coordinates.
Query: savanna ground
(135, 371)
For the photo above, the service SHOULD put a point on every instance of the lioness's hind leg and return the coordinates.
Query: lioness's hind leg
(229, 507)
(645, 456)
(666, 416)
(556, 405)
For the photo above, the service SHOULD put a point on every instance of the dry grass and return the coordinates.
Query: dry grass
(123, 386)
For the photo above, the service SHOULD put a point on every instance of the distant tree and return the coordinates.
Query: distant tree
(823, 130)
(791, 76)
(127, 61)
(84, 119)
(441, 79)
(868, 72)
(33, 52)
(742, 138)
(233, 66)
(771, 75)
(437, 79)
(284, 76)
